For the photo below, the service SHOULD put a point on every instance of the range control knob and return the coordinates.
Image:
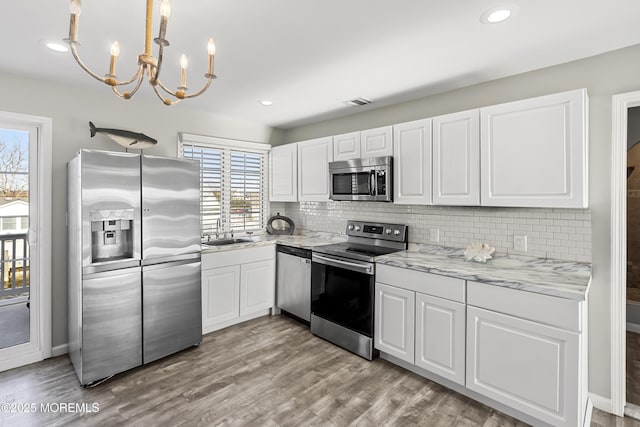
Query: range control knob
(350, 227)
(396, 232)
(357, 228)
(388, 231)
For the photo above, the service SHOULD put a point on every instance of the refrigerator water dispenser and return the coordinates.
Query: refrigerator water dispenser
(111, 235)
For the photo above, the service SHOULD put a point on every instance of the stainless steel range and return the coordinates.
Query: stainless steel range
(343, 282)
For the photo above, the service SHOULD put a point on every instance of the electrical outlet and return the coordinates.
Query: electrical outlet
(434, 235)
(520, 242)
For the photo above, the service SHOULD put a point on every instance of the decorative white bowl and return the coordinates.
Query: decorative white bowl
(479, 252)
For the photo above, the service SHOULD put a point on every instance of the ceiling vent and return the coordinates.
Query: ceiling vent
(358, 102)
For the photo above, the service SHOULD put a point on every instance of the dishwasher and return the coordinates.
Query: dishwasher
(293, 282)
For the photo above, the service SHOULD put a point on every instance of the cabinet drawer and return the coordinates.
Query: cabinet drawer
(418, 281)
(553, 311)
(238, 256)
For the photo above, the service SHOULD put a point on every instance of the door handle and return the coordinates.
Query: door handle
(372, 177)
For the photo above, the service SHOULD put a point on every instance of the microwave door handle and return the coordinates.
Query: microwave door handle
(372, 177)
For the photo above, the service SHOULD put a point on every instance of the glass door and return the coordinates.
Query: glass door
(15, 291)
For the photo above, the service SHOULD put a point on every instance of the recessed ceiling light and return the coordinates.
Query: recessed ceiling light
(266, 102)
(57, 47)
(497, 14)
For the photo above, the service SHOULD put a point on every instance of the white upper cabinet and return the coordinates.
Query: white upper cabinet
(313, 169)
(346, 146)
(377, 142)
(283, 173)
(412, 163)
(456, 159)
(534, 152)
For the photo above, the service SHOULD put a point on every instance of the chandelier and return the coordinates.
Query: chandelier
(147, 63)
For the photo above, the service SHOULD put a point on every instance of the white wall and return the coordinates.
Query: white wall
(71, 110)
(603, 76)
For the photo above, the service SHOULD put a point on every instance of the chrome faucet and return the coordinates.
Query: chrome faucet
(217, 228)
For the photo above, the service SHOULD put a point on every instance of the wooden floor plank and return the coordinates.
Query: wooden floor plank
(269, 371)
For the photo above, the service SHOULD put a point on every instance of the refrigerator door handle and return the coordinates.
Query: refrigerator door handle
(171, 263)
(109, 266)
(111, 273)
(165, 259)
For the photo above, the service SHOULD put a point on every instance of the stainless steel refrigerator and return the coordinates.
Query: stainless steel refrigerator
(134, 290)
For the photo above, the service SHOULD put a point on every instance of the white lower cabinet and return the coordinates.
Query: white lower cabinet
(220, 295)
(524, 353)
(394, 321)
(255, 292)
(414, 325)
(525, 365)
(237, 285)
(440, 337)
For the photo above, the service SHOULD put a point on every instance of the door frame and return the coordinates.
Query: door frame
(39, 345)
(618, 304)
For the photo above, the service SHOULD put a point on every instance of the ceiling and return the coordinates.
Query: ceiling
(309, 56)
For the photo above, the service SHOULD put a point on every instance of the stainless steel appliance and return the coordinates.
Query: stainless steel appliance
(362, 179)
(134, 260)
(343, 281)
(293, 281)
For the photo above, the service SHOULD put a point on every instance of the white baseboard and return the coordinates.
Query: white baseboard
(602, 403)
(59, 350)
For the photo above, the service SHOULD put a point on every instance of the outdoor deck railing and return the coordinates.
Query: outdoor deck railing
(14, 264)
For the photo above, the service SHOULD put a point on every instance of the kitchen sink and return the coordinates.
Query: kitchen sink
(223, 242)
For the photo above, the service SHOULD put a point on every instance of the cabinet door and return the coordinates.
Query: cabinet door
(525, 365)
(534, 152)
(313, 169)
(440, 337)
(377, 142)
(412, 163)
(257, 286)
(394, 321)
(220, 295)
(456, 159)
(346, 146)
(283, 173)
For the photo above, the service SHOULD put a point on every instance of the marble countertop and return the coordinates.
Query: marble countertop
(305, 241)
(559, 278)
(564, 279)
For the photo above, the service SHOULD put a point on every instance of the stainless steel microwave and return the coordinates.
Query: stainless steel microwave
(362, 179)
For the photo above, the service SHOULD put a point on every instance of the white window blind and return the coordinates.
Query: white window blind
(232, 183)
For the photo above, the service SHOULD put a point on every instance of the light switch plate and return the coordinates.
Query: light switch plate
(434, 235)
(520, 242)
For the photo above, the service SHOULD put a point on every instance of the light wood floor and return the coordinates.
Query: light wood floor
(267, 372)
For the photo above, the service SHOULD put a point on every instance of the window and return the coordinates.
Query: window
(232, 182)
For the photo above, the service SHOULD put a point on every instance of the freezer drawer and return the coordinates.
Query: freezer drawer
(111, 324)
(172, 308)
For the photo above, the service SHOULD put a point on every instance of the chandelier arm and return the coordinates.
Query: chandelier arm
(140, 75)
(166, 89)
(166, 101)
(74, 51)
(135, 76)
(203, 90)
(154, 78)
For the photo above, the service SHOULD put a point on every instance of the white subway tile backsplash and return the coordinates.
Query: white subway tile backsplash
(551, 233)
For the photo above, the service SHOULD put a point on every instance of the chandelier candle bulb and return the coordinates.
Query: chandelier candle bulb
(184, 63)
(165, 12)
(211, 50)
(75, 8)
(115, 51)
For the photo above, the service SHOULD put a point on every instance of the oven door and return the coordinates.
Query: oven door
(342, 292)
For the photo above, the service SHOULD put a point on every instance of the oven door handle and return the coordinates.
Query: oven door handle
(366, 268)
